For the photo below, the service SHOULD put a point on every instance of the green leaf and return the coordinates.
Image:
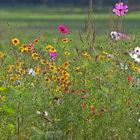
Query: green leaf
(2, 89)
(8, 110)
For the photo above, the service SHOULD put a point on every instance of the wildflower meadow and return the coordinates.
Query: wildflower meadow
(69, 84)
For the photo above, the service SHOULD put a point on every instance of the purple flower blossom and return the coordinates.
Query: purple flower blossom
(63, 29)
(124, 36)
(120, 9)
(53, 55)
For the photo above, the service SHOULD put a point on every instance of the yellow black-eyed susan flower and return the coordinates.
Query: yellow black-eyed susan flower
(36, 41)
(58, 69)
(65, 40)
(19, 63)
(66, 65)
(35, 56)
(37, 70)
(15, 41)
(84, 53)
(24, 48)
(52, 50)
(135, 68)
(88, 56)
(47, 80)
(54, 78)
(49, 47)
(53, 69)
(101, 58)
(131, 64)
(65, 73)
(67, 53)
(43, 62)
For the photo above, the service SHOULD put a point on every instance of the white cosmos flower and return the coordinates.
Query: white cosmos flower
(137, 51)
(135, 57)
(115, 35)
(135, 54)
(31, 72)
(137, 60)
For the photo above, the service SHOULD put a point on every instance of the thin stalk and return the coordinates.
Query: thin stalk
(120, 24)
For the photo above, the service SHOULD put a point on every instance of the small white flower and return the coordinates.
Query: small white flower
(46, 113)
(31, 72)
(135, 56)
(137, 51)
(38, 112)
(123, 66)
(139, 120)
(115, 35)
(110, 56)
(137, 60)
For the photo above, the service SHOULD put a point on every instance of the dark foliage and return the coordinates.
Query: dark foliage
(67, 2)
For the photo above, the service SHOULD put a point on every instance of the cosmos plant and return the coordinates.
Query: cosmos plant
(120, 9)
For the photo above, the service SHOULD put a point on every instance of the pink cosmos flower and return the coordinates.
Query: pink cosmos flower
(120, 9)
(53, 55)
(63, 29)
(124, 36)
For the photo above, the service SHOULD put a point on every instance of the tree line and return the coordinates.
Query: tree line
(67, 2)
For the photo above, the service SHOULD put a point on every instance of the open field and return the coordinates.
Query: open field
(37, 19)
(57, 86)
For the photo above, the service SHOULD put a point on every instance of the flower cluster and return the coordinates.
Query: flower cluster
(104, 56)
(119, 36)
(42, 66)
(86, 55)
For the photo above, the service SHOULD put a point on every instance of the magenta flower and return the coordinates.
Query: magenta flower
(63, 29)
(120, 9)
(53, 55)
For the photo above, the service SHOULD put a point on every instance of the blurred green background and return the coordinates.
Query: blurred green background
(32, 18)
